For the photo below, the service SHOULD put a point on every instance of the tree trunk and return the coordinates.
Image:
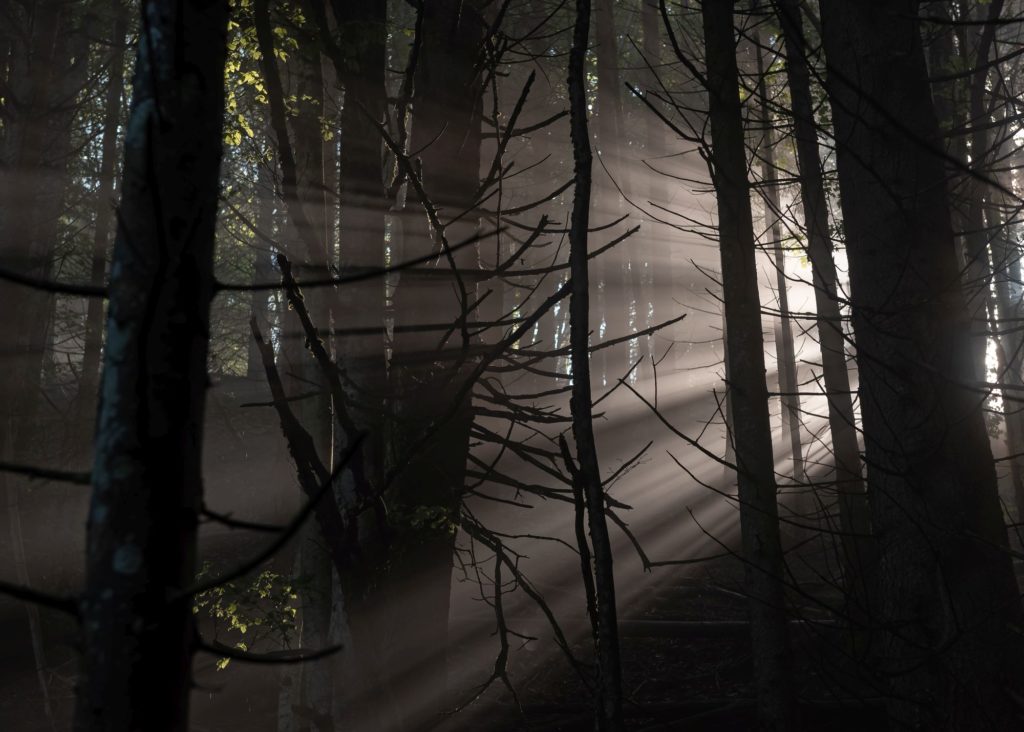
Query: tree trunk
(759, 524)
(854, 522)
(429, 461)
(785, 354)
(362, 30)
(947, 593)
(587, 475)
(138, 631)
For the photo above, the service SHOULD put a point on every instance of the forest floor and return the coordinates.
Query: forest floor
(686, 664)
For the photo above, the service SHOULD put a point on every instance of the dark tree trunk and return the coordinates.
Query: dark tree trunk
(587, 475)
(138, 631)
(946, 591)
(759, 524)
(362, 32)
(429, 461)
(854, 521)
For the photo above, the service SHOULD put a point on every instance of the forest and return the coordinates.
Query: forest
(407, 365)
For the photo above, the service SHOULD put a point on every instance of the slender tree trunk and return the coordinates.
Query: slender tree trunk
(587, 475)
(947, 593)
(759, 524)
(785, 353)
(138, 630)
(854, 521)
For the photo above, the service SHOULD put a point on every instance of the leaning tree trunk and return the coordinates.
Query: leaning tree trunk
(138, 626)
(947, 595)
(759, 522)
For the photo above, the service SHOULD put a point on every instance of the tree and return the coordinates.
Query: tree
(755, 464)
(946, 593)
(429, 373)
(784, 346)
(598, 576)
(136, 612)
(853, 512)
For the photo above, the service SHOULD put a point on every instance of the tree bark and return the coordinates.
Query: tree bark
(854, 521)
(759, 524)
(138, 629)
(587, 476)
(429, 462)
(947, 595)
